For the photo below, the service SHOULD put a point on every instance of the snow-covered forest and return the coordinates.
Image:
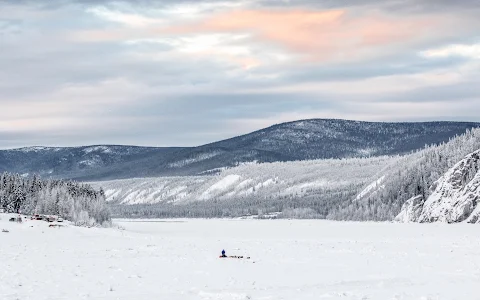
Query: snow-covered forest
(412, 175)
(249, 189)
(73, 201)
(345, 189)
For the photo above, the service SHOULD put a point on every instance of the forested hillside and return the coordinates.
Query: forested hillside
(246, 189)
(293, 141)
(454, 197)
(346, 189)
(411, 176)
(73, 201)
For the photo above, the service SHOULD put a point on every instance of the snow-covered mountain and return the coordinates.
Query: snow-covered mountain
(300, 140)
(374, 188)
(71, 162)
(455, 196)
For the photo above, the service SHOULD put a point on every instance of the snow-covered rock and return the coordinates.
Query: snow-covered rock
(411, 210)
(454, 199)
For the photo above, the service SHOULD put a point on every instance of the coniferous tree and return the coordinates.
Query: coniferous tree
(73, 201)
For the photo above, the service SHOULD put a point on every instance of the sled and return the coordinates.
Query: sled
(235, 256)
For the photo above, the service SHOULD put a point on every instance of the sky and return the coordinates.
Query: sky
(190, 72)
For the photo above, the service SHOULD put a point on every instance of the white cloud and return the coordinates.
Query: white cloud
(376, 87)
(128, 19)
(189, 10)
(463, 50)
(109, 65)
(137, 17)
(229, 50)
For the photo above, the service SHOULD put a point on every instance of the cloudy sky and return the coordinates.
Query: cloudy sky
(183, 73)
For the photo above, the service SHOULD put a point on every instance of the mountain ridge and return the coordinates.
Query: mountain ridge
(290, 141)
(477, 124)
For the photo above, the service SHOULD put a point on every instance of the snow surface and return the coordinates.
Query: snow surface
(297, 260)
(371, 188)
(221, 185)
(104, 149)
(90, 162)
(36, 149)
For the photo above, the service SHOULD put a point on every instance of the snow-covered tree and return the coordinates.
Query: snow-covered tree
(71, 200)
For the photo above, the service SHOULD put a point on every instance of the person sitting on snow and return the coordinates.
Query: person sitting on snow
(223, 253)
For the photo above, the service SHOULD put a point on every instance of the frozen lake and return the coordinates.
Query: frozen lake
(178, 259)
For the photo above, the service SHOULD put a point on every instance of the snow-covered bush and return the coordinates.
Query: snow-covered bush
(83, 219)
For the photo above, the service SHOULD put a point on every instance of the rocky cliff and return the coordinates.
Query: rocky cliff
(454, 197)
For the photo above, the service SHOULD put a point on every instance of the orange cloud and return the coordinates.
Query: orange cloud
(320, 35)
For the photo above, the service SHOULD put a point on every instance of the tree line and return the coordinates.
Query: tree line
(73, 201)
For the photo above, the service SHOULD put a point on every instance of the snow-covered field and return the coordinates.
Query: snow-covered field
(178, 259)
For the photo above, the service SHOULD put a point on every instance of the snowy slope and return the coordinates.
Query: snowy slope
(272, 180)
(455, 196)
(290, 260)
(371, 189)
